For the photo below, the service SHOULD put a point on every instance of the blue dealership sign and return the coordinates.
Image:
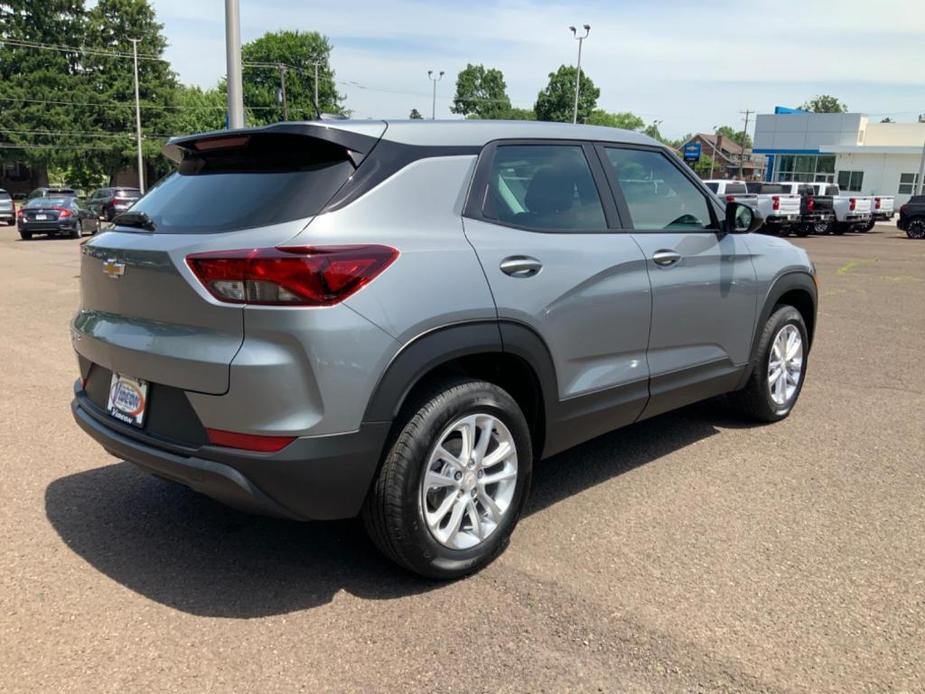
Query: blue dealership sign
(692, 151)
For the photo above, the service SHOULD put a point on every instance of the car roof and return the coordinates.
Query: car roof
(436, 133)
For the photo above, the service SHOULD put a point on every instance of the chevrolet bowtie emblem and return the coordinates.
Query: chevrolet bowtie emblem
(113, 269)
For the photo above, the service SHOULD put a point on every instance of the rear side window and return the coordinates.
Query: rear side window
(547, 187)
(713, 186)
(258, 180)
(659, 196)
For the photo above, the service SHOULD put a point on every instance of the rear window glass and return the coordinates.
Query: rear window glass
(48, 202)
(4, 195)
(773, 188)
(267, 180)
(127, 193)
(735, 189)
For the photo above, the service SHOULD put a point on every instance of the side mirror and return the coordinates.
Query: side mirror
(741, 219)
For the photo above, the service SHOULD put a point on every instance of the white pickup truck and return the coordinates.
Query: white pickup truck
(780, 210)
(851, 211)
(884, 207)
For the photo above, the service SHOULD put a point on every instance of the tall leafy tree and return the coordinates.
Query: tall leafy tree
(556, 102)
(739, 136)
(198, 110)
(515, 113)
(109, 71)
(298, 51)
(415, 115)
(824, 103)
(481, 93)
(34, 81)
(624, 120)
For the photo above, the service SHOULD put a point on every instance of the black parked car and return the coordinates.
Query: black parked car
(912, 217)
(59, 216)
(106, 203)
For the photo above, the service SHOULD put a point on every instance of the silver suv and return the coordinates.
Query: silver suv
(396, 319)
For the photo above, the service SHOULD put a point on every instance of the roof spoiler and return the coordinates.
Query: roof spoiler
(357, 144)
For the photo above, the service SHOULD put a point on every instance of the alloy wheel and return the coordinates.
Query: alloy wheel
(785, 364)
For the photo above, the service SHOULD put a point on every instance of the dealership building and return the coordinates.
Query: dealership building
(862, 156)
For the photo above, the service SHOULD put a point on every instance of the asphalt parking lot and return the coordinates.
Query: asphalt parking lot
(686, 553)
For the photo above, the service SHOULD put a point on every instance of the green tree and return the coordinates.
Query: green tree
(515, 113)
(108, 69)
(739, 136)
(199, 110)
(557, 101)
(298, 51)
(415, 115)
(481, 93)
(624, 120)
(33, 128)
(824, 103)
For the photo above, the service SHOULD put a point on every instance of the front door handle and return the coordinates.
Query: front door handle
(521, 266)
(666, 257)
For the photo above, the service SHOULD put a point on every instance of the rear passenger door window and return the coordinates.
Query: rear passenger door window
(543, 187)
(658, 196)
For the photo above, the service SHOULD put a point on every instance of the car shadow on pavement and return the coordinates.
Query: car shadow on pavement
(190, 553)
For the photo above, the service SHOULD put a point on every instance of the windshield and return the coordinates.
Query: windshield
(48, 202)
(269, 179)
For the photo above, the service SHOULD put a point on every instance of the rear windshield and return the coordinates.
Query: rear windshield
(773, 188)
(267, 179)
(735, 189)
(127, 193)
(48, 202)
(4, 195)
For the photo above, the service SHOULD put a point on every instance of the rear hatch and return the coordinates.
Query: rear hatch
(789, 205)
(44, 210)
(143, 313)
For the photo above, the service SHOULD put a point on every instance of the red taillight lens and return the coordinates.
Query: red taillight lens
(63, 213)
(852, 203)
(876, 203)
(811, 205)
(775, 202)
(730, 198)
(295, 276)
(248, 442)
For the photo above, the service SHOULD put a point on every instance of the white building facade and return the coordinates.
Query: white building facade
(864, 157)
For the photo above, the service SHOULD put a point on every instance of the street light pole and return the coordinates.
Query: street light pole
(233, 62)
(921, 172)
(433, 107)
(580, 39)
(141, 164)
(713, 145)
(282, 84)
(317, 105)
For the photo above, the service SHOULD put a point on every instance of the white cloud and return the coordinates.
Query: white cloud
(690, 64)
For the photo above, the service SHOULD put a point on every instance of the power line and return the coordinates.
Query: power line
(101, 104)
(79, 49)
(79, 133)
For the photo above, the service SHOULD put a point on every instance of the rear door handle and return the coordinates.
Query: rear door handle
(521, 266)
(666, 257)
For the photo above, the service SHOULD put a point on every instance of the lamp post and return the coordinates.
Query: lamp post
(141, 164)
(581, 40)
(233, 60)
(433, 107)
(713, 145)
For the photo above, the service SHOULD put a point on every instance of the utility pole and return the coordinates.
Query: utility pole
(282, 83)
(713, 145)
(233, 61)
(141, 163)
(581, 40)
(922, 172)
(317, 105)
(433, 107)
(745, 133)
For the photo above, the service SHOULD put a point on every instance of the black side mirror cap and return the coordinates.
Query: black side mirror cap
(741, 219)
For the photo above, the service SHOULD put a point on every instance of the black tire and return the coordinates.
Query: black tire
(823, 227)
(755, 401)
(393, 513)
(804, 230)
(915, 229)
(25, 235)
(864, 228)
(75, 232)
(839, 229)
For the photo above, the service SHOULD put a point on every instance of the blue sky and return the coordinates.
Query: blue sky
(692, 65)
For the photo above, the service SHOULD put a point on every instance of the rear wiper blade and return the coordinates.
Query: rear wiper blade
(136, 219)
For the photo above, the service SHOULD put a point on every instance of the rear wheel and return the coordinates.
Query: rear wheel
(779, 368)
(453, 483)
(823, 226)
(804, 230)
(25, 235)
(75, 232)
(839, 229)
(916, 229)
(867, 227)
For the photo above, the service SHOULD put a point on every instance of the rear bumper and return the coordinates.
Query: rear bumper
(46, 227)
(857, 218)
(313, 478)
(883, 216)
(782, 220)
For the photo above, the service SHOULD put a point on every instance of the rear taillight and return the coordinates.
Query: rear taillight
(63, 213)
(852, 203)
(811, 204)
(730, 198)
(775, 202)
(295, 276)
(248, 442)
(876, 203)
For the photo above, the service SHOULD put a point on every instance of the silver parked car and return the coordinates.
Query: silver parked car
(396, 319)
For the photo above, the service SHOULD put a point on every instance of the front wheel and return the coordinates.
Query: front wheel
(916, 229)
(779, 368)
(453, 483)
